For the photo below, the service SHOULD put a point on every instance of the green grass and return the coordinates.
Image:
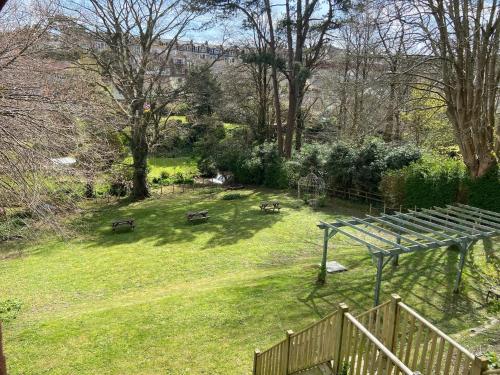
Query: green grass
(158, 164)
(227, 125)
(182, 119)
(177, 298)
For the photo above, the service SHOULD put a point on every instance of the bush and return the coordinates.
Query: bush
(432, 181)
(207, 167)
(260, 165)
(484, 192)
(348, 166)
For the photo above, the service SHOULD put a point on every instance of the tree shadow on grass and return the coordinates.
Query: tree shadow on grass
(164, 221)
(425, 281)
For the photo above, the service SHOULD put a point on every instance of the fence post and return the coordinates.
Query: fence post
(286, 358)
(392, 326)
(255, 357)
(343, 309)
(479, 365)
(3, 362)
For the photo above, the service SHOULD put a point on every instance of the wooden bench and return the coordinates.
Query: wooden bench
(197, 216)
(493, 292)
(270, 206)
(123, 223)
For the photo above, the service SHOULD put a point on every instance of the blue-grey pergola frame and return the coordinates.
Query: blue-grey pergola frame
(458, 224)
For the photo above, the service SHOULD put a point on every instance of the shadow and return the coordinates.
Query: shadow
(163, 221)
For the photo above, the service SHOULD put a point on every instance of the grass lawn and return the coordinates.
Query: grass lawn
(175, 298)
(157, 164)
(227, 125)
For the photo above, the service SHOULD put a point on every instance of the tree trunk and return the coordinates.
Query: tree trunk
(274, 78)
(390, 118)
(139, 148)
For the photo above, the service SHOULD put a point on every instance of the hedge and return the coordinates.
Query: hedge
(437, 181)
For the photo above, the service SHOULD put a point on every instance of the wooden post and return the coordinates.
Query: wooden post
(378, 282)
(255, 358)
(461, 262)
(322, 271)
(161, 190)
(479, 365)
(395, 258)
(286, 358)
(3, 361)
(343, 309)
(392, 326)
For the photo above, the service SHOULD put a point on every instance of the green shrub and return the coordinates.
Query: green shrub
(484, 192)
(362, 167)
(207, 167)
(432, 181)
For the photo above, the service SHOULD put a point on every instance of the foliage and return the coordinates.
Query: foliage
(203, 92)
(484, 192)
(493, 360)
(207, 167)
(432, 181)
(437, 180)
(363, 167)
(425, 115)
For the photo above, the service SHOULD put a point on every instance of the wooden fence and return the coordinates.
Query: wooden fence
(388, 339)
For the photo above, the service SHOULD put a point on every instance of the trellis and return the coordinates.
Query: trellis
(388, 236)
(311, 184)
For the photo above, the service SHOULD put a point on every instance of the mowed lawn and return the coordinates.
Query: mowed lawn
(177, 298)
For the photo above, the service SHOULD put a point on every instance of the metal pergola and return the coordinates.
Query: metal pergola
(388, 236)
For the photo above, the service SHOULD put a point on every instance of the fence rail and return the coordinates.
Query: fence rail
(390, 339)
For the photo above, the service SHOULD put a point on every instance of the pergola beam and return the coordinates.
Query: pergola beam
(377, 237)
(477, 215)
(430, 216)
(398, 236)
(355, 238)
(403, 229)
(476, 209)
(443, 212)
(431, 224)
(466, 224)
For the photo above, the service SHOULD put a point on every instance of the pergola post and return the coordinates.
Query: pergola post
(464, 248)
(378, 282)
(322, 271)
(395, 258)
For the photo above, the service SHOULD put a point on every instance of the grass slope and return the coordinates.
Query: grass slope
(175, 298)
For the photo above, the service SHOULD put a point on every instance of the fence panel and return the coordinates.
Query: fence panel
(426, 349)
(314, 345)
(363, 353)
(273, 361)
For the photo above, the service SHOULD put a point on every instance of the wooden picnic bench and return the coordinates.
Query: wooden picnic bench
(123, 222)
(270, 206)
(197, 216)
(492, 292)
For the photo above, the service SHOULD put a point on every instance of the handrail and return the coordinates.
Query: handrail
(436, 330)
(378, 307)
(388, 331)
(379, 345)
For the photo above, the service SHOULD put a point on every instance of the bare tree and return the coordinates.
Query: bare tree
(129, 44)
(461, 38)
(47, 111)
